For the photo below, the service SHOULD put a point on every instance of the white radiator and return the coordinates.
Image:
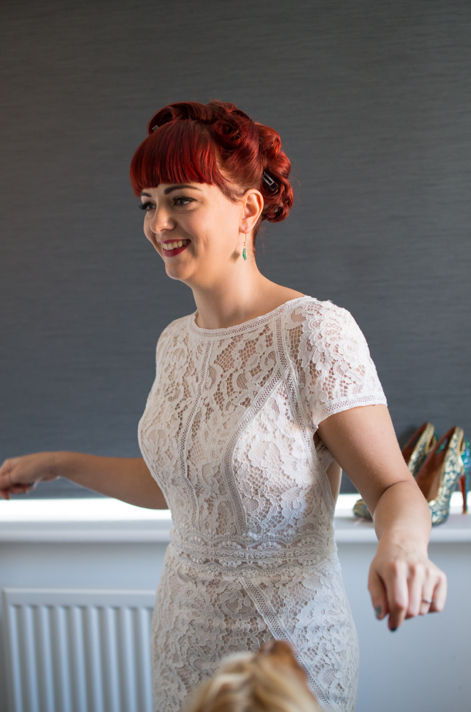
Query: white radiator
(77, 650)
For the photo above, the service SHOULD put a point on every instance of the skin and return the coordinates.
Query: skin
(229, 291)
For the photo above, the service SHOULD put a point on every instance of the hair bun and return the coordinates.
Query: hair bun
(277, 167)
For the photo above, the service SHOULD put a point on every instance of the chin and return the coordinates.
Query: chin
(179, 272)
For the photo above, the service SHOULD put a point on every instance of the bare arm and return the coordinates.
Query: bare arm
(364, 443)
(124, 478)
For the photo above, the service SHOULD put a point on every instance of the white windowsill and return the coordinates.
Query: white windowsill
(109, 520)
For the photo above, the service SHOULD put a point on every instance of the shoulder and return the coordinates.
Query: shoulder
(175, 326)
(331, 359)
(314, 316)
(321, 330)
(171, 332)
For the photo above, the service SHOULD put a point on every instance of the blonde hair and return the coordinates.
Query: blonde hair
(269, 680)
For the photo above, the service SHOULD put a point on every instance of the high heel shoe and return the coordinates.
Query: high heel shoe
(414, 452)
(447, 462)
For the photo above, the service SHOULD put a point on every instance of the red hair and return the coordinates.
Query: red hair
(193, 142)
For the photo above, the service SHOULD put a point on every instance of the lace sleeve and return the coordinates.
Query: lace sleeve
(337, 371)
(162, 344)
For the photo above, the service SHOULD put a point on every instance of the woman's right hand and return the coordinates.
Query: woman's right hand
(19, 475)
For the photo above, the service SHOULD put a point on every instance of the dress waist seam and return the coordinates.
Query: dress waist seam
(302, 554)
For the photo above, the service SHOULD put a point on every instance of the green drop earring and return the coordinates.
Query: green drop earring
(244, 251)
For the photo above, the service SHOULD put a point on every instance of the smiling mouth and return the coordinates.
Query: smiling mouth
(174, 248)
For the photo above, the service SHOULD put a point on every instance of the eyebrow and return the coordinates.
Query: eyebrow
(175, 187)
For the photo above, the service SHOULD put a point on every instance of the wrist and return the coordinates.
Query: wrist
(61, 464)
(405, 541)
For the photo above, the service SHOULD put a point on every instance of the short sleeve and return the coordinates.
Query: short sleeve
(163, 342)
(335, 368)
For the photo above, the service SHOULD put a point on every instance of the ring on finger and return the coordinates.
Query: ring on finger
(427, 600)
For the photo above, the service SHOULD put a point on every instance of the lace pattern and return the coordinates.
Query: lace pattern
(228, 434)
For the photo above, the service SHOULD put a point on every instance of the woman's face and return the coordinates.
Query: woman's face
(203, 226)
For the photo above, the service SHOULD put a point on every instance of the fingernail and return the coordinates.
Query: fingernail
(378, 611)
(392, 629)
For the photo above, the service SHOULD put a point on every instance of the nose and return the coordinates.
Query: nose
(161, 221)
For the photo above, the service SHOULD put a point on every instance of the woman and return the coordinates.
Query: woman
(261, 397)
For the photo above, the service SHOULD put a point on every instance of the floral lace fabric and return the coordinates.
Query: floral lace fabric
(228, 434)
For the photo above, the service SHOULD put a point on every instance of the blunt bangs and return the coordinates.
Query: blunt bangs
(177, 152)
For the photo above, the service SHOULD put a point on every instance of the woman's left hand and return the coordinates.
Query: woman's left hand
(402, 579)
(404, 583)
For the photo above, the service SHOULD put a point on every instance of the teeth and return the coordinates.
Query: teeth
(174, 245)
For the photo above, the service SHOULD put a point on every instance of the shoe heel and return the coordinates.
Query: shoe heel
(464, 492)
(464, 479)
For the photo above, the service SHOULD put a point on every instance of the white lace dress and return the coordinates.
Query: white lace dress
(228, 433)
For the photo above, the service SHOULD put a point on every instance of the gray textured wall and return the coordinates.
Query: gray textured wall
(372, 101)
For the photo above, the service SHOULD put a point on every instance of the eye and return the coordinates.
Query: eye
(181, 197)
(150, 206)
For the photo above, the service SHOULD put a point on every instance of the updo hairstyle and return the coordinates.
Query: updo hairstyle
(191, 142)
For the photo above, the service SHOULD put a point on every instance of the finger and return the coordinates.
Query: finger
(416, 584)
(7, 475)
(4, 494)
(397, 591)
(439, 594)
(425, 606)
(378, 595)
(19, 489)
(428, 592)
(5, 471)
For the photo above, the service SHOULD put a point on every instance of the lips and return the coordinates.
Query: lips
(176, 251)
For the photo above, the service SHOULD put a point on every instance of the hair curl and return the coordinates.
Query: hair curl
(193, 142)
(269, 680)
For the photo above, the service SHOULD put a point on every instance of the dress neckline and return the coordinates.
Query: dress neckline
(245, 326)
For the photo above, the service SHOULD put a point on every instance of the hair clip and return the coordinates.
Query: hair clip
(269, 181)
(155, 127)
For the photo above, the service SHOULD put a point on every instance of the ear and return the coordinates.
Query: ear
(252, 206)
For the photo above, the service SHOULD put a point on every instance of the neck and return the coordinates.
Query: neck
(232, 300)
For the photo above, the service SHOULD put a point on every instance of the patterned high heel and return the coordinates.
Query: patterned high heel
(414, 452)
(465, 479)
(448, 461)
